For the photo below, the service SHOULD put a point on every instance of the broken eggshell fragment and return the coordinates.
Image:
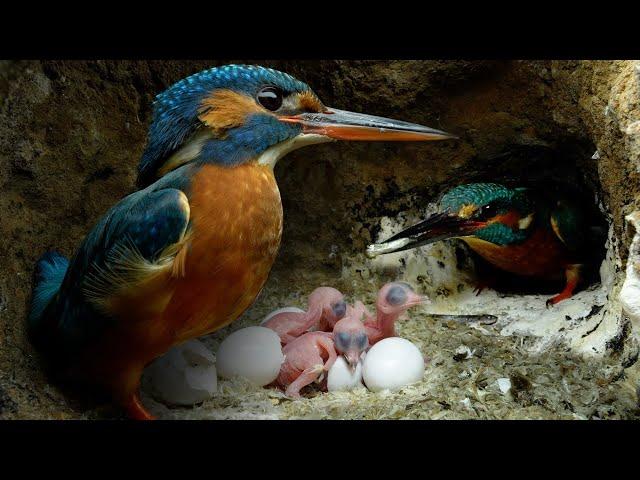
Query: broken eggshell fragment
(185, 375)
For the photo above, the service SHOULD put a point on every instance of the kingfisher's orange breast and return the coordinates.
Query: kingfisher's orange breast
(236, 227)
(542, 254)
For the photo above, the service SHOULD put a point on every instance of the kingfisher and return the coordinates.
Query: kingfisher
(525, 231)
(189, 251)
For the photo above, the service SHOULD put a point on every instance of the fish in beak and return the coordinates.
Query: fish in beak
(439, 226)
(342, 125)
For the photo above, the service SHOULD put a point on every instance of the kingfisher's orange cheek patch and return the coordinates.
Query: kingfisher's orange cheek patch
(467, 211)
(510, 219)
(226, 109)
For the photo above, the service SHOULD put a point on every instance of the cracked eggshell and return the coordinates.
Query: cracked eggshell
(391, 364)
(340, 378)
(253, 353)
(504, 384)
(185, 375)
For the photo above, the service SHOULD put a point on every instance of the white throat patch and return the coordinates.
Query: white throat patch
(272, 154)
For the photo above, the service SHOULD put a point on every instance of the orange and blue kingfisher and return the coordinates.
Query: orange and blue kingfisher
(187, 253)
(524, 231)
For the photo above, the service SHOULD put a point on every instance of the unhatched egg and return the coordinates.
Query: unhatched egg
(392, 363)
(340, 377)
(253, 353)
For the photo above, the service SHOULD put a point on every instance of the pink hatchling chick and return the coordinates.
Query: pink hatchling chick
(362, 311)
(334, 307)
(306, 358)
(393, 300)
(350, 337)
(326, 307)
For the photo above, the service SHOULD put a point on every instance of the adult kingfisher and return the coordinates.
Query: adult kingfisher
(187, 253)
(524, 231)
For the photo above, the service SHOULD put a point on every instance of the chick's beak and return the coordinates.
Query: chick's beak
(343, 125)
(414, 299)
(352, 357)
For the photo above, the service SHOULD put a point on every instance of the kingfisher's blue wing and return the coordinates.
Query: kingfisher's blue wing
(570, 225)
(135, 242)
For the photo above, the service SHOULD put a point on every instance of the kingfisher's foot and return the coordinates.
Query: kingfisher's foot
(136, 411)
(558, 298)
(573, 277)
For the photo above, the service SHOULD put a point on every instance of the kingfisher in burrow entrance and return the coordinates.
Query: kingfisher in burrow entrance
(187, 253)
(524, 231)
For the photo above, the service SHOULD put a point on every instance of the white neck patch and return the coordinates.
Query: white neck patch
(190, 151)
(524, 223)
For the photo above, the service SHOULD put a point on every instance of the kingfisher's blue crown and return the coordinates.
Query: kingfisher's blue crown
(480, 194)
(175, 115)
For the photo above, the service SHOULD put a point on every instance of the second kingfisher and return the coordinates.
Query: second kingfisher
(525, 231)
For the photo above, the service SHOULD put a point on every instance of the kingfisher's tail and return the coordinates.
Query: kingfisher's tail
(50, 271)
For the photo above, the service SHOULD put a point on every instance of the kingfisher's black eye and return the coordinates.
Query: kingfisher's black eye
(270, 98)
(488, 211)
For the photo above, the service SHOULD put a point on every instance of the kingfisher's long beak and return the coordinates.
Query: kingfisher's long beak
(342, 125)
(435, 228)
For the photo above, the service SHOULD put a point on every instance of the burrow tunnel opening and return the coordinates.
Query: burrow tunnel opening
(566, 171)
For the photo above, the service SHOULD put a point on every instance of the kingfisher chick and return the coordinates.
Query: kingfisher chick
(393, 300)
(518, 230)
(326, 307)
(189, 252)
(350, 337)
(306, 360)
(311, 355)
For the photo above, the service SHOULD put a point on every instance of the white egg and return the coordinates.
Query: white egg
(281, 310)
(340, 377)
(391, 364)
(253, 353)
(185, 375)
